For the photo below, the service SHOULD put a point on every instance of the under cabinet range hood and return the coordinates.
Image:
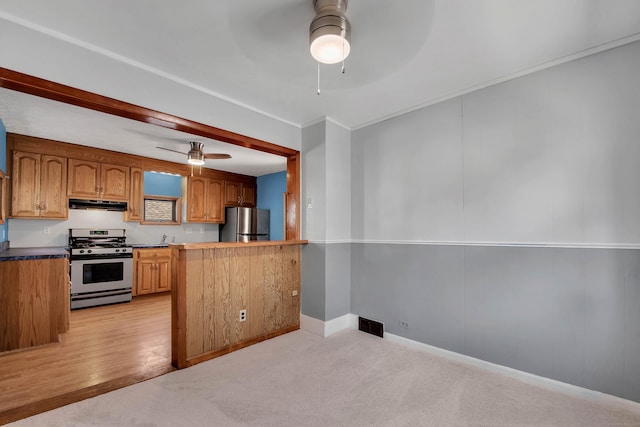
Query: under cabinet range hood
(103, 205)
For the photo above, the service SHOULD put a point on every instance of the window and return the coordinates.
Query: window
(161, 210)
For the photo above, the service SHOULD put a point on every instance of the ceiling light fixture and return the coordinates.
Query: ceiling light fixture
(195, 156)
(330, 32)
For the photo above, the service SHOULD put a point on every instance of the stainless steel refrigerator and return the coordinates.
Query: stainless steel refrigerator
(245, 225)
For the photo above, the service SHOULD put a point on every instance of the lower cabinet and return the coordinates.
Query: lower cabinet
(34, 302)
(152, 271)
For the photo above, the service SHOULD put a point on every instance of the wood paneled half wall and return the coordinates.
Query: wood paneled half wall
(214, 282)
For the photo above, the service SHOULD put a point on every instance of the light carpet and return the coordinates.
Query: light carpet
(347, 379)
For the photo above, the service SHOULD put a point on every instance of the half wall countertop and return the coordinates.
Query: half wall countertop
(19, 254)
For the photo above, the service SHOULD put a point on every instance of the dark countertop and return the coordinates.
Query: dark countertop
(18, 254)
(149, 245)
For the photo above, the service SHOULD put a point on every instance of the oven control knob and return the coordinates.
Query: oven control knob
(81, 251)
(89, 251)
(117, 250)
(124, 249)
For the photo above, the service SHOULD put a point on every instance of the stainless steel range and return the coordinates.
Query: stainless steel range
(101, 267)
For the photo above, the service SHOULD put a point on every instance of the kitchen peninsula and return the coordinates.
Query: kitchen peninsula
(34, 296)
(226, 296)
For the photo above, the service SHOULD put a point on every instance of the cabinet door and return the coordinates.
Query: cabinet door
(25, 194)
(136, 196)
(232, 193)
(114, 182)
(83, 179)
(163, 278)
(216, 206)
(196, 199)
(53, 187)
(145, 272)
(248, 195)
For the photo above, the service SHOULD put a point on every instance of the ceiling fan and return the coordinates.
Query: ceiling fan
(196, 155)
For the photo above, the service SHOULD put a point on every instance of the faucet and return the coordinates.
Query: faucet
(164, 237)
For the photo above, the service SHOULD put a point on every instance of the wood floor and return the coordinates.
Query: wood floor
(106, 348)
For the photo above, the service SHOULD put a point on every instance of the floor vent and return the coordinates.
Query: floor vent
(371, 327)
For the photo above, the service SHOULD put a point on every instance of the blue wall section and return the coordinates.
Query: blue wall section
(4, 228)
(162, 184)
(271, 189)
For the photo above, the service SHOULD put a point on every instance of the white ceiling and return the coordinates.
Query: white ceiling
(31, 115)
(405, 53)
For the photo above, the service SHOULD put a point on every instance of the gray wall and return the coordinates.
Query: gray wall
(505, 224)
(326, 213)
(571, 314)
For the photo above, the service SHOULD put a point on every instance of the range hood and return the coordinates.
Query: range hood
(103, 205)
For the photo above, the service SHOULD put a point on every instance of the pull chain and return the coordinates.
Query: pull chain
(342, 55)
(318, 90)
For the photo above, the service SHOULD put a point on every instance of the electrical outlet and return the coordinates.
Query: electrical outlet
(404, 324)
(294, 293)
(189, 230)
(201, 230)
(47, 230)
(243, 315)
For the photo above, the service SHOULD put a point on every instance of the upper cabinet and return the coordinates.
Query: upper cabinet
(39, 184)
(3, 197)
(90, 180)
(204, 199)
(45, 174)
(136, 196)
(238, 193)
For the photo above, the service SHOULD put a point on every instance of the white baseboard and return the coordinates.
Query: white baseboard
(312, 325)
(532, 379)
(350, 321)
(330, 327)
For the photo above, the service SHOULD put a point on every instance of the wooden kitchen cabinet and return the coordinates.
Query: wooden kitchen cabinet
(90, 180)
(152, 270)
(204, 199)
(239, 194)
(35, 297)
(39, 184)
(3, 197)
(136, 196)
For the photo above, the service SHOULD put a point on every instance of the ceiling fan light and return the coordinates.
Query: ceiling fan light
(195, 158)
(329, 48)
(330, 32)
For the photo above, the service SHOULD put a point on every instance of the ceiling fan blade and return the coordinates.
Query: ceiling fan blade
(218, 156)
(175, 151)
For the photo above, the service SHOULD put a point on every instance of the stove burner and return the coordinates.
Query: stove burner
(85, 245)
(103, 243)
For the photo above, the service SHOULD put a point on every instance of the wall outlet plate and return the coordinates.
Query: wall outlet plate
(243, 315)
